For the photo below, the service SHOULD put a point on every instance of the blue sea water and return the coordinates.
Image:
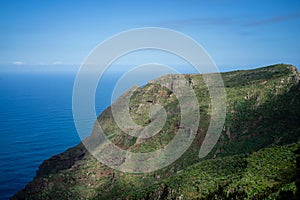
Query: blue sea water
(36, 123)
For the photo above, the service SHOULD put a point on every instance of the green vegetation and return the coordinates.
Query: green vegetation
(255, 157)
(267, 173)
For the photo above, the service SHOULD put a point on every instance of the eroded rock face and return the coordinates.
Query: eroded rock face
(252, 123)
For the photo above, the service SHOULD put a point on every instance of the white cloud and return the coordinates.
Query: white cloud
(18, 63)
(57, 62)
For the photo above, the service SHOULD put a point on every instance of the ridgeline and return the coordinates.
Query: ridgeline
(256, 156)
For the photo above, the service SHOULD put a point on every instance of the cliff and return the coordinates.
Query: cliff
(254, 158)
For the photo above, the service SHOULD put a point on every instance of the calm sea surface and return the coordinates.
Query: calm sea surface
(36, 123)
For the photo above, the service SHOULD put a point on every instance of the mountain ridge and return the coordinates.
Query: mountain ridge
(262, 112)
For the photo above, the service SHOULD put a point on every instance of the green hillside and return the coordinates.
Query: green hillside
(255, 157)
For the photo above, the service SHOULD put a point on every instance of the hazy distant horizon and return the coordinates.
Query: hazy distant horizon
(74, 68)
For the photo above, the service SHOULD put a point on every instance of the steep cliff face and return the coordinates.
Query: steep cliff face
(263, 111)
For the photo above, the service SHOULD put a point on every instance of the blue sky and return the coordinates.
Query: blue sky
(235, 33)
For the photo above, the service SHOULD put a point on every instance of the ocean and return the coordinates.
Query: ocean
(36, 122)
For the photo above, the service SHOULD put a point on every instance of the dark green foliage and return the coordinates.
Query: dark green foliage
(268, 173)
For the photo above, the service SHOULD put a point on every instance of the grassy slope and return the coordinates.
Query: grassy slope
(263, 111)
